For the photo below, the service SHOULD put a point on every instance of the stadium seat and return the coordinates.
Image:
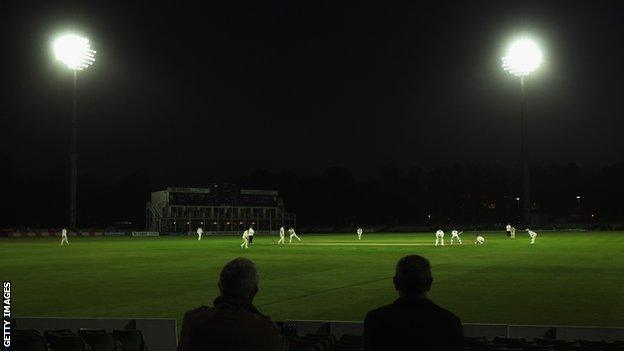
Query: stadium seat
(101, 341)
(475, 341)
(590, 343)
(557, 344)
(23, 342)
(539, 348)
(48, 334)
(68, 343)
(514, 342)
(84, 331)
(131, 340)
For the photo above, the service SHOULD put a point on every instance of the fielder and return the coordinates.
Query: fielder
(439, 237)
(508, 230)
(251, 233)
(200, 231)
(281, 233)
(455, 236)
(292, 235)
(479, 240)
(64, 237)
(359, 232)
(513, 232)
(245, 243)
(533, 235)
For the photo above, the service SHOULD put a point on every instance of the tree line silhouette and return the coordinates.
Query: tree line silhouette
(394, 195)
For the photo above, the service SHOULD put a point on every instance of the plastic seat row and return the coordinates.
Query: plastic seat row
(538, 344)
(326, 342)
(84, 340)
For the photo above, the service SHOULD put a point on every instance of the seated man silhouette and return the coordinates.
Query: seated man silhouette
(233, 323)
(412, 321)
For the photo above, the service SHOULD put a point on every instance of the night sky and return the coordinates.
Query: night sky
(190, 92)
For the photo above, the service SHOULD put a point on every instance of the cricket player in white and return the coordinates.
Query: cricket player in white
(479, 240)
(455, 236)
(439, 237)
(64, 237)
(359, 233)
(251, 234)
(292, 235)
(508, 230)
(513, 232)
(200, 231)
(281, 233)
(533, 235)
(245, 243)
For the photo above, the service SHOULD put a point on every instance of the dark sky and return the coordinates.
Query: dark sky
(189, 91)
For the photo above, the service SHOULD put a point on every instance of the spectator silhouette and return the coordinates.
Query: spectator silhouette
(412, 321)
(233, 323)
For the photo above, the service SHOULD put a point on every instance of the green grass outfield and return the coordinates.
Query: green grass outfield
(564, 279)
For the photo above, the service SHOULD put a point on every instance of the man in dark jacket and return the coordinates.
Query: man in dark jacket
(412, 321)
(233, 323)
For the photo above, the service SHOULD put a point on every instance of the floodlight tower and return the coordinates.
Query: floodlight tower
(75, 52)
(523, 57)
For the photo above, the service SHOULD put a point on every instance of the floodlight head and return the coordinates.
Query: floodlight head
(74, 51)
(522, 57)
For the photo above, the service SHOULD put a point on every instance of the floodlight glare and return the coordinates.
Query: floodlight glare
(522, 57)
(74, 51)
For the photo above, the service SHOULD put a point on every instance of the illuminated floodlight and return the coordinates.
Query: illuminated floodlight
(522, 57)
(74, 51)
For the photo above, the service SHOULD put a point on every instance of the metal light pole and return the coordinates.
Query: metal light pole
(526, 182)
(523, 57)
(73, 164)
(75, 52)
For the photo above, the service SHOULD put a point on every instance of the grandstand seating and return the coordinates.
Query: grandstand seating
(520, 344)
(28, 342)
(325, 342)
(68, 343)
(131, 340)
(84, 340)
(100, 340)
